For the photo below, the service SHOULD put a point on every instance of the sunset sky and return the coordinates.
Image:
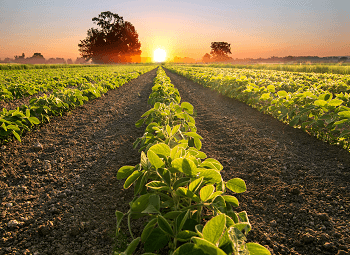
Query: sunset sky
(182, 28)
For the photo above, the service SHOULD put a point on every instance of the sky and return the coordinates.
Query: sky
(182, 28)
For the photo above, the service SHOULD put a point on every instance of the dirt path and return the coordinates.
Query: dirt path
(298, 193)
(61, 199)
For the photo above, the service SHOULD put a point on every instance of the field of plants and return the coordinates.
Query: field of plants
(210, 174)
(316, 103)
(63, 89)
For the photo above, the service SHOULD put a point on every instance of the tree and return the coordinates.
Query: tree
(206, 58)
(219, 51)
(343, 59)
(115, 41)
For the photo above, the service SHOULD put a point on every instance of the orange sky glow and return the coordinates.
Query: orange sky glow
(184, 29)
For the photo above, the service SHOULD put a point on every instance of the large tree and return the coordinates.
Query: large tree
(115, 41)
(220, 51)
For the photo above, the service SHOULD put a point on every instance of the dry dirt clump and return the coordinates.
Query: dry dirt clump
(59, 192)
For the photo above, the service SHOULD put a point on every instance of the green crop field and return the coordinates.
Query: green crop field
(318, 103)
(64, 88)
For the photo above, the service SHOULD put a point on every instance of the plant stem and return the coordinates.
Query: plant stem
(129, 226)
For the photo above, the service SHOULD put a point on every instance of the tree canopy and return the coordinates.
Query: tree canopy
(219, 51)
(115, 41)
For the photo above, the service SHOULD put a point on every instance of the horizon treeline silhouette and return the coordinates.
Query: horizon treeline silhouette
(38, 58)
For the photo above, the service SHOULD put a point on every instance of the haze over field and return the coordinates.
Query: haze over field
(182, 28)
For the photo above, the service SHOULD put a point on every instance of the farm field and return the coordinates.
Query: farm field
(62, 199)
(31, 97)
(316, 103)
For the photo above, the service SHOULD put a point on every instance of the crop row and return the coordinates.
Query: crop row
(179, 189)
(317, 103)
(15, 122)
(21, 83)
(304, 68)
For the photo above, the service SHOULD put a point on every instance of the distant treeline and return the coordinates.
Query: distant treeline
(38, 66)
(38, 58)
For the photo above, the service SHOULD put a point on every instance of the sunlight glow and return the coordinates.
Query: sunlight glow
(159, 55)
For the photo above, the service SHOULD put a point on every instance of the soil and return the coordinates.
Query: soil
(59, 190)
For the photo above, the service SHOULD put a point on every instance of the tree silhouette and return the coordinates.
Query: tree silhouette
(206, 58)
(219, 51)
(115, 41)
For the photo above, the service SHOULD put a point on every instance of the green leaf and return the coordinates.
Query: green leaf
(214, 195)
(119, 215)
(195, 184)
(185, 166)
(211, 176)
(335, 102)
(16, 135)
(13, 127)
(193, 135)
(165, 175)
(139, 123)
(207, 247)
(197, 143)
(156, 240)
(206, 192)
(214, 228)
(257, 249)
(140, 203)
(294, 121)
(320, 102)
(212, 164)
(188, 249)
(181, 182)
(237, 185)
(132, 246)
(271, 88)
(161, 149)
(153, 204)
(147, 113)
(185, 235)
(188, 107)
(282, 93)
(177, 152)
(157, 185)
(139, 184)
(265, 96)
(165, 226)
(231, 200)
(341, 121)
(175, 130)
(172, 214)
(187, 193)
(132, 178)
(199, 229)
(154, 159)
(125, 172)
(181, 219)
(345, 114)
(34, 120)
(148, 229)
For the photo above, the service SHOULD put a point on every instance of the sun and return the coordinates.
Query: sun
(159, 55)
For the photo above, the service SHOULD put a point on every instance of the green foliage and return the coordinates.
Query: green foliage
(89, 83)
(180, 181)
(316, 103)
